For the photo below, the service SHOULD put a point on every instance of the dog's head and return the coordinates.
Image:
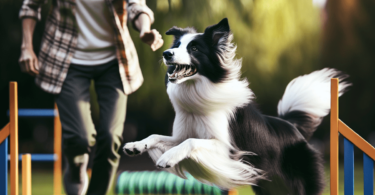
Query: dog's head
(193, 54)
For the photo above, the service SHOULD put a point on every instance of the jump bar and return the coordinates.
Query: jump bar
(36, 112)
(40, 157)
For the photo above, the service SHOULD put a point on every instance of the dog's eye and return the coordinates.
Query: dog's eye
(194, 48)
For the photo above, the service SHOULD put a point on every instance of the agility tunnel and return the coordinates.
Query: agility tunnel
(161, 182)
(350, 139)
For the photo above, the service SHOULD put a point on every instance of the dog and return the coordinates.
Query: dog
(220, 136)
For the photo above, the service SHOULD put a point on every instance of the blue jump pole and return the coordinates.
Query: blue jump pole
(40, 157)
(36, 112)
(368, 175)
(348, 167)
(4, 167)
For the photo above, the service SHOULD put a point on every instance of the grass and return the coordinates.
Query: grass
(42, 182)
(358, 181)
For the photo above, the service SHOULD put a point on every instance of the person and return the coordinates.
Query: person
(88, 40)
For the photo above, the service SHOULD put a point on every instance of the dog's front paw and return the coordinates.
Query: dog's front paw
(169, 159)
(134, 148)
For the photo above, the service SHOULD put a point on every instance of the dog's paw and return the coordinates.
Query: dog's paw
(169, 159)
(134, 148)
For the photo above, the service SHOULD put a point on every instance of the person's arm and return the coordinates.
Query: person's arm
(151, 37)
(142, 17)
(28, 60)
(30, 13)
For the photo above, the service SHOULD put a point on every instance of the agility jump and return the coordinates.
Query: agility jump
(11, 130)
(350, 138)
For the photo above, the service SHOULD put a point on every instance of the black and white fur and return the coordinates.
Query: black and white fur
(220, 137)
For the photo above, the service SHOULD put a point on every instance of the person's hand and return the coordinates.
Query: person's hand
(152, 38)
(29, 62)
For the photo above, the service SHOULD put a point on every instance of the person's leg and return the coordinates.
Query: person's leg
(78, 132)
(112, 103)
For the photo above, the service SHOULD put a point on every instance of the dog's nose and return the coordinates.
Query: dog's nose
(168, 55)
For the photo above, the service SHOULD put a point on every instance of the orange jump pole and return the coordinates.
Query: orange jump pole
(334, 137)
(356, 139)
(4, 133)
(26, 174)
(233, 192)
(57, 173)
(13, 130)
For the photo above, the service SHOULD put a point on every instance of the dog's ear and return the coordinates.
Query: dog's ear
(174, 31)
(177, 32)
(215, 32)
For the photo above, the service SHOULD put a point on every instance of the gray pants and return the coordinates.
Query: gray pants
(78, 131)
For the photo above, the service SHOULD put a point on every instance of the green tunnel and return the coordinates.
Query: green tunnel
(161, 182)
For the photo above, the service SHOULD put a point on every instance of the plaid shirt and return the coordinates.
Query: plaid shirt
(60, 40)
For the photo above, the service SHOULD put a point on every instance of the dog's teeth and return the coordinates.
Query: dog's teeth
(183, 70)
(173, 76)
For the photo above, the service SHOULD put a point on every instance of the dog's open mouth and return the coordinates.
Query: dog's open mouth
(181, 71)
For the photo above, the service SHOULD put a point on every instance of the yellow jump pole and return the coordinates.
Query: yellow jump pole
(334, 136)
(13, 113)
(26, 174)
(57, 173)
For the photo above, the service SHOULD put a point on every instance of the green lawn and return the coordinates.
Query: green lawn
(358, 181)
(42, 182)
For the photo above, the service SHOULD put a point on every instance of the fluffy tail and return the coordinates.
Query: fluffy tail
(306, 99)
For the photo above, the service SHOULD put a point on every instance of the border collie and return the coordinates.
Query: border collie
(220, 137)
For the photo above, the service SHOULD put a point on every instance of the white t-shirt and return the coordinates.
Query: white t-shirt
(96, 44)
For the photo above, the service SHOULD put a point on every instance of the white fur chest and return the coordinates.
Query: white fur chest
(201, 97)
(203, 109)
